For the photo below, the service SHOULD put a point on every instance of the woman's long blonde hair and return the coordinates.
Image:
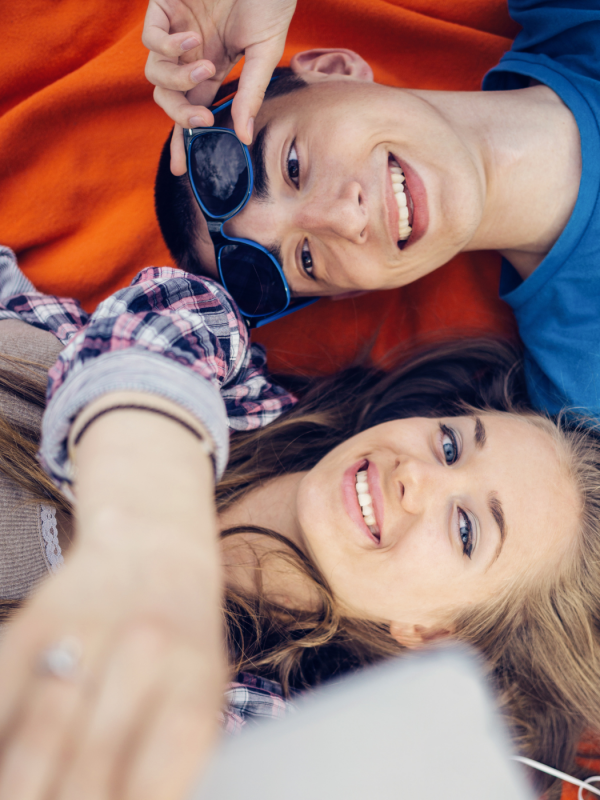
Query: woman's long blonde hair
(539, 640)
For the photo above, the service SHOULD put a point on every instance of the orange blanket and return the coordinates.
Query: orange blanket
(80, 138)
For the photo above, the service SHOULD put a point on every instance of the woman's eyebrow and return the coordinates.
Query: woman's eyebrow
(261, 178)
(480, 433)
(494, 502)
(497, 513)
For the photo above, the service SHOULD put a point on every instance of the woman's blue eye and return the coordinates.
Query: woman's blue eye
(293, 166)
(307, 262)
(449, 445)
(465, 528)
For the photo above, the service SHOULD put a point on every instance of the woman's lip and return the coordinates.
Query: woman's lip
(418, 194)
(376, 496)
(351, 500)
(393, 216)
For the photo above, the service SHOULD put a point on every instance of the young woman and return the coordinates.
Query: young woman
(375, 513)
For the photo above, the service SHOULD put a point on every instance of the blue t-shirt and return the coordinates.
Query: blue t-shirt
(558, 306)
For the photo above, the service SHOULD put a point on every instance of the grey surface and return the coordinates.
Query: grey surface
(421, 728)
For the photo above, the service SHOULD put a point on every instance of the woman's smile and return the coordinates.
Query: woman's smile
(363, 500)
(440, 513)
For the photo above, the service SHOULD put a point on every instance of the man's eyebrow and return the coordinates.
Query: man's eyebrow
(480, 433)
(497, 512)
(275, 250)
(261, 179)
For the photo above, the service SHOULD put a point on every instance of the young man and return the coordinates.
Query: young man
(369, 187)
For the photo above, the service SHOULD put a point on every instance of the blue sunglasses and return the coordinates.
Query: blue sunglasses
(222, 179)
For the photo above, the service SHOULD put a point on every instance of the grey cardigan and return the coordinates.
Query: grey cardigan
(24, 553)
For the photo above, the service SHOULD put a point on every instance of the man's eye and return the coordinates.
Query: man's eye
(307, 262)
(293, 166)
(449, 445)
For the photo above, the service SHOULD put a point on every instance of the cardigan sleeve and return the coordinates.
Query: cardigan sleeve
(173, 335)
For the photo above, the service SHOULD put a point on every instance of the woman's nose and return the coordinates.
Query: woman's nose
(416, 482)
(342, 212)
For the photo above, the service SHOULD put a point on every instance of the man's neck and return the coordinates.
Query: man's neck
(526, 144)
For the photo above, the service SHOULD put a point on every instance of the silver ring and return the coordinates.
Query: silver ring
(62, 660)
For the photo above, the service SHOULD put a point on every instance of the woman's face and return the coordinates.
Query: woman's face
(459, 507)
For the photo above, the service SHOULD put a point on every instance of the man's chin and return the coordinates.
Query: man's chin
(348, 295)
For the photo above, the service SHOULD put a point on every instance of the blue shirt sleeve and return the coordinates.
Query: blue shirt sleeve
(565, 32)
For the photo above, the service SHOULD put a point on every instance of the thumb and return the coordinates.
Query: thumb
(260, 61)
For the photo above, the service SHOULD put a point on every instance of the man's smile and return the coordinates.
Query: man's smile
(402, 199)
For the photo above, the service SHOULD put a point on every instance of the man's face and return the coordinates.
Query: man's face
(328, 209)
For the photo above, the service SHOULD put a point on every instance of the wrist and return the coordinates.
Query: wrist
(143, 476)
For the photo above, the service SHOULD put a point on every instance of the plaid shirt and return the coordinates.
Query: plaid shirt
(251, 699)
(169, 333)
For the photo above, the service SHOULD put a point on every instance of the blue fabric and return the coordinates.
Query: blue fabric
(558, 306)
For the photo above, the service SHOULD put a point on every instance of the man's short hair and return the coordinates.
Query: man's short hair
(176, 207)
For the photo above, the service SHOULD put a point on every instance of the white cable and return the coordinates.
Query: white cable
(587, 780)
(556, 773)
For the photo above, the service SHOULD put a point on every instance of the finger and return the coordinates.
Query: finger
(181, 734)
(256, 74)
(178, 159)
(45, 709)
(29, 760)
(178, 77)
(20, 647)
(171, 45)
(156, 36)
(181, 111)
(124, 702)
(204, 93)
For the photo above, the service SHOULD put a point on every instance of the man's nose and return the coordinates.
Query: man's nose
(342, 212)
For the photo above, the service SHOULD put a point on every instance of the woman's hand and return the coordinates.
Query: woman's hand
(194, 44)
(140, 596)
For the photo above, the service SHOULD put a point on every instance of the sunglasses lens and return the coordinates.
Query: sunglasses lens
(252, 279)
(219, 171)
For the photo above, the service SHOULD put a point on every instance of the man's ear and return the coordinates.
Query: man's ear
(332, 62)
(416, 636)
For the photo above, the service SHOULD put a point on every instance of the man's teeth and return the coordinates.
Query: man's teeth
(404, 229)
(365, 502)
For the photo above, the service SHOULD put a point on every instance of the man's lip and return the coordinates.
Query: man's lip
(417, 195)
(393, 216)
(351, 500)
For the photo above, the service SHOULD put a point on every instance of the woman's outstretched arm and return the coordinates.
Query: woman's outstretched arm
(140, 596)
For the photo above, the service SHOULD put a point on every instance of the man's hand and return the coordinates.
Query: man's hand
(194, 44)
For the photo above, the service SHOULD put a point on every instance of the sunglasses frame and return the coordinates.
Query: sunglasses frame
(216, 222)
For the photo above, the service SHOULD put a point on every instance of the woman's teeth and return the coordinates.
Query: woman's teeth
(404, 229)
(365, 502)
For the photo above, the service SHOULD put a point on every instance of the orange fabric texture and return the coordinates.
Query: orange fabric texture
(80, 138)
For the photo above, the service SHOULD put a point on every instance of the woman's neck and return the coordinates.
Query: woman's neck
(271, 505)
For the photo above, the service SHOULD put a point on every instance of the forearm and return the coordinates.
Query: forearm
(143, 480)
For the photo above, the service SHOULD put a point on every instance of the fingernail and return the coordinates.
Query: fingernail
(199, 74)
(250, 129)
(196, 122)
(189, 44)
